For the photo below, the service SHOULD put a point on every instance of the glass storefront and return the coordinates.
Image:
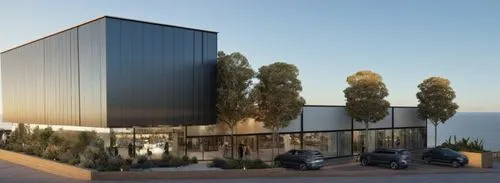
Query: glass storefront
(157, 140)
(331, 144)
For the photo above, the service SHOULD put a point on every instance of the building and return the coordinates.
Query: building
(151, 84)
(113, 72)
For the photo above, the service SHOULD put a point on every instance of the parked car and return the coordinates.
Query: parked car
(445, 156)
(301, 159)
(395, 158)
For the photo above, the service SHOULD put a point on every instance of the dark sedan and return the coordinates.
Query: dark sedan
(444, 156)
(301, 159)
(395, 158)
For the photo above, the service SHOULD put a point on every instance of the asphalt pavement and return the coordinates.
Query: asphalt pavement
(12, 173)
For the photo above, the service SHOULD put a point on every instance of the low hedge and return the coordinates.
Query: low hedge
(168, 160)
(238, 164)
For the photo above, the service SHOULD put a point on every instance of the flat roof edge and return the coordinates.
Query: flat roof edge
(161, 24)
(96, 19)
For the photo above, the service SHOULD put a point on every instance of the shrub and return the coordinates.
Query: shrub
(65, 157)
(51, 152)
(92, 157)
(172, 161)
(239, 164)
(218, 163)
(257, 164)
(141, 162)
(194, 160)
(464, 144)
(185, 158)
(114, 163)
(16, 147)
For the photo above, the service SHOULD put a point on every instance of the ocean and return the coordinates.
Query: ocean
(480, 125)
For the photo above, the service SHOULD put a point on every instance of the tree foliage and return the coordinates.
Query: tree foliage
(277, 96)
(234, 78)
(436, 100)
(365, 98)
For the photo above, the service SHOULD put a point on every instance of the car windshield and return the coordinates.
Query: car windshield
(449, 151)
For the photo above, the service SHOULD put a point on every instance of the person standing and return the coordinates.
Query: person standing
(166, 148)
(4, 137)
(130, 150)
(241, 149)
(398, 142)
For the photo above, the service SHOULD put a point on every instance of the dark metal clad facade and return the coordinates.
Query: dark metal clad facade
(92, 62)
(159, 75)
(112, 72)
(53, 80)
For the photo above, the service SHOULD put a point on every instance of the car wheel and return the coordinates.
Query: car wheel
(364, 162)
(455, 164)
(394, 165)
(427, 160)
(277, 164)
(302, 167)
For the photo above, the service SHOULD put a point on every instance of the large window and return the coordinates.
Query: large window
(330, 144)
(359, 141)
(156, 140)
(208, 148)
(326, 143)
(383, 139)
(410, 138)
(344, 143)
(285, 142)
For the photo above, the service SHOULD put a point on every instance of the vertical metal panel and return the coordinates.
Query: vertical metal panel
(198, 65)
(178, 75)
(159, 95)
(126, 75)
(211, 65)
(75, 79)
(137, 72)
(92, 54)
(39, 82)
(164, 77)
(147, 68)
(114, 67)
(187, 68)
(168, 76)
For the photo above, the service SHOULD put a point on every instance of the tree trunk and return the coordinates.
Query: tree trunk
(232, 142)
(435, 134)
(366, 137)
(273, 145)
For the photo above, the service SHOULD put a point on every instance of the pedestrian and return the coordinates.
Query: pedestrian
(398, 142)
(149, 153)
(130, 150)
(241, 150)
(166, 148)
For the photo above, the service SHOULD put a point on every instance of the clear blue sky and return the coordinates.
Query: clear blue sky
(404, 41)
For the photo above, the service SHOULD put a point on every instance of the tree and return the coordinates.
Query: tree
(234, 78)
(436, 102)
(365, 99)
(277, 97)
